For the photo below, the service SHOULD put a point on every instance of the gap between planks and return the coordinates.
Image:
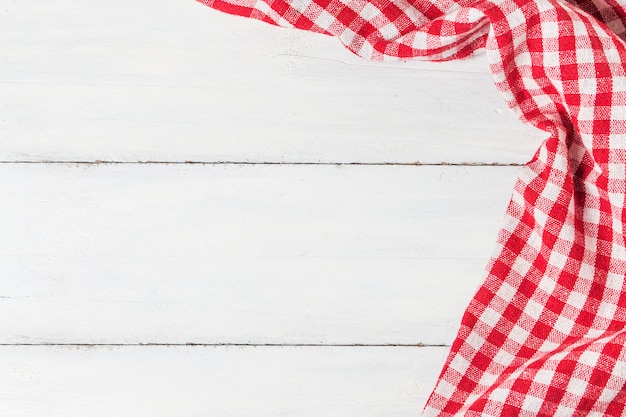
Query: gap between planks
(400, 345)
(101, 162)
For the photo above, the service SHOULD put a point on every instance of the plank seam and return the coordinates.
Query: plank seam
(100, 162)
(416, 345)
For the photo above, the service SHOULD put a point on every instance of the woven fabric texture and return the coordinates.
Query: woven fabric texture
(545, 333)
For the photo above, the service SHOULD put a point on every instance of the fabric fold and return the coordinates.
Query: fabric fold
(545, 333)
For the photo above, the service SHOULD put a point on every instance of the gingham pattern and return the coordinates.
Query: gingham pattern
(545, 334)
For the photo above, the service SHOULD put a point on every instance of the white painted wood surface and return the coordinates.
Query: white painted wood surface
(243, 253)
(130, 254)
(216, 381)
(163, 80)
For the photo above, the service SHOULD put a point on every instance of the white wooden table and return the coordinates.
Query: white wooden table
(204, 215)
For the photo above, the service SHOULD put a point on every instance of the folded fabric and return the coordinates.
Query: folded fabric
(545, 333)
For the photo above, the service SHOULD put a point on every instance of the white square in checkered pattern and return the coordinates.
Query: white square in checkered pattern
(549, 346)
(618, 113)
(550, 30)
(366, 50)
(618, 252)
(567, 233)
(586, 114)
(420, 40)
(586, 270)
(389, 31)
(588, 86)
(564, 411)
(592, 191)
(460, 364)
(519, 199)
(547, 284)
(607, 310)
(584, 56)
(541, 217)
(614, 281)
(369, 12)
(324, 20)
(620, 368)
(444, 388)
(487, 379)
(612, 56)
(552, 191)
(558, 84)
(413, 13)
(524, 58)
(506, 292)
(561, 163)
(564, 325)
(543, 101)
(589, 358)
(544, 376)
(576, 386)
(532, 403)
(300, 5)
(591, 215)
(618, 85)
(490, 317)
(475, 341)
(595, 333)
(543, 7)
(580, 29)
(576, 300)
(558, 259)
(515, 18)
(499, 395)
(281, 20)
(347, 36)
(521, 266)
(551, 59)
(264, 8)
(618, 141)
(533, 309)
(534, 241)
(474, 15)
(519, 334)
(587, 140)
(503, 357)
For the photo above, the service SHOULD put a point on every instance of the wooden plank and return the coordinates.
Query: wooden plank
(156, 80)
(135, 253)
(216, 381)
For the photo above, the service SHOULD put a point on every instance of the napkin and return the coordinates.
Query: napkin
(545, 333)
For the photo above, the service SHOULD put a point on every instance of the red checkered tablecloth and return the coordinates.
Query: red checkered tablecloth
(545, 333)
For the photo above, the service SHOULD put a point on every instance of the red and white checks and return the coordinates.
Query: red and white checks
(545, 335)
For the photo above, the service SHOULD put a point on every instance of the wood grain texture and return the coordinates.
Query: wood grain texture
(243, 253)
(216, 381)
(157, 80)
